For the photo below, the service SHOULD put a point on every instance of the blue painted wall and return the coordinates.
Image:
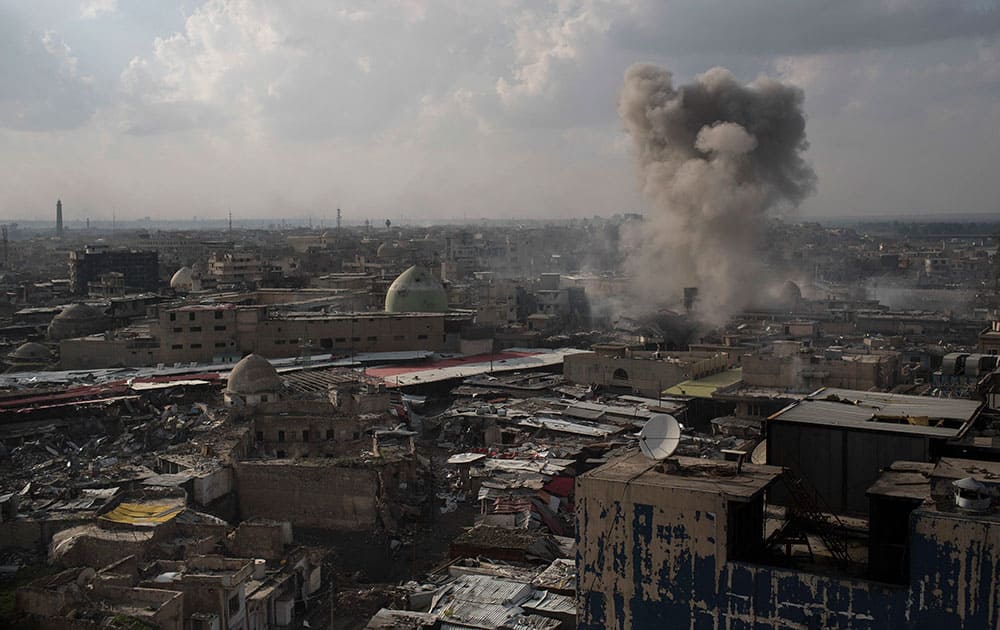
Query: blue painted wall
(641, 566)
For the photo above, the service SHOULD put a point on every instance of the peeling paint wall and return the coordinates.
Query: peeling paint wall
(955, 570)
(654, 557)
(642, 564)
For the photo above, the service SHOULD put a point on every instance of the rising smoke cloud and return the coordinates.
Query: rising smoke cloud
(715, 157)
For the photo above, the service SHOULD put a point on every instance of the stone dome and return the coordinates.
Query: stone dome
(253, 375)
(79, 312)
(77, 320)
(183, 279)
(31, 352)
(416, 291)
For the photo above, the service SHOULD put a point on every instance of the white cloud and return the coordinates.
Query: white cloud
(92, 9)
(277, 106)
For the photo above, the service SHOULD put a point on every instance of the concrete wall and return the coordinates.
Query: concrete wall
(651, 557)
(641, 564)
(805, 373)
(214, 485)
(308, 495)
(645, 376)
(33, 534)
(955, 570)
(259, 540)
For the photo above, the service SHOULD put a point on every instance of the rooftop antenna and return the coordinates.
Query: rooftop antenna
(660, 436)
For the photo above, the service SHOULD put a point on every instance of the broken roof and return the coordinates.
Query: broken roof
(886, 412)
(694, 474)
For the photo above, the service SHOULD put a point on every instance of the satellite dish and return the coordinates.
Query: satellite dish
(660, 436)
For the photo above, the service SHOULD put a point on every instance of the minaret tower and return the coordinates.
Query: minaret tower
(59, 231)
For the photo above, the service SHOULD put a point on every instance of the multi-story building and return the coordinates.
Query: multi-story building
(642, 372)
(140, 269)
(225, 332)
(688, 544)
(237, 267)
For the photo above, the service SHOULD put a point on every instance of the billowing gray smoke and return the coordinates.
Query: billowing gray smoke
(715, 157)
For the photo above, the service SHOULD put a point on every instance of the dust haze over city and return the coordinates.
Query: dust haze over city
(570, 314)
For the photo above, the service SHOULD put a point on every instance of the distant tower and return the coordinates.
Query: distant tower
(338, 220)
(59, 231)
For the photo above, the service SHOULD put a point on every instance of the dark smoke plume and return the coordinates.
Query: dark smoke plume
(714, 158)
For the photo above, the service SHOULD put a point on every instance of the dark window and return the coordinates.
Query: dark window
(620, 375)
(340, 339)
(173, 317)
(399, 337)
(178, 329)
(279, 342)
(305, 436)
(373, 338)
(176, 346)
(220, 344)
(221, 328)
(326, 342)
(260, 436)
(281, 454)
(355, 338)
(234, 604)
(357, 436)
(329, 434)
(191, 317)
(195, 346)
(218, 314)
(196, 329)
(421, 337)
(281, 436)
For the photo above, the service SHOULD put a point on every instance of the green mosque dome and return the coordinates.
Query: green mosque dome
(416, 291)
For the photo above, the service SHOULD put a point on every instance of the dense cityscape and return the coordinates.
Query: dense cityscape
(414, 426)
(521, 315)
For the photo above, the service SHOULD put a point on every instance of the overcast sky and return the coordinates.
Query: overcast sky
(498, 108)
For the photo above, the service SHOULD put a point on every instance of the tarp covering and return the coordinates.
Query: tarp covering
(705, 387)
(143, 513)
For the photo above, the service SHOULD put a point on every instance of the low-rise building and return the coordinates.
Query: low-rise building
(642, 372)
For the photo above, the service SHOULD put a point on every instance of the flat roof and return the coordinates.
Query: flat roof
(705, 387)
(904, 480)
(957, 468)
(694, 474)
(873, 411)
(507, 361)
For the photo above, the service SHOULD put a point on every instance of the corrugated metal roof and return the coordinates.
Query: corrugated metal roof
(481, 601)
(550, 603)
(917, 415)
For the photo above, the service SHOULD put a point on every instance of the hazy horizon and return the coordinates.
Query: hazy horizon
(434, 111)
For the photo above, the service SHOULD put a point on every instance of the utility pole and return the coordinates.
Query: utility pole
(996, 263)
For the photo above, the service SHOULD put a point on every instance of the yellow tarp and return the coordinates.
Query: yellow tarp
(143, 513)
(705, 387)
